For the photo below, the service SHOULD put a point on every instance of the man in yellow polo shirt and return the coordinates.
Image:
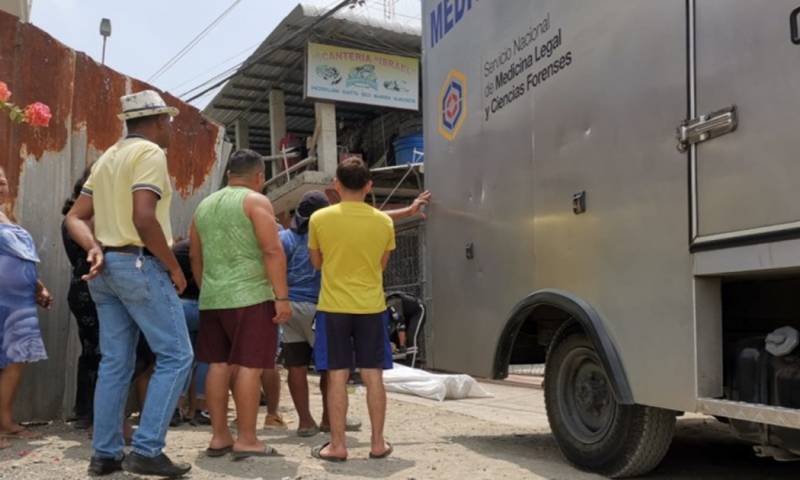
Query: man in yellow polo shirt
(128, 195)
(351, 243)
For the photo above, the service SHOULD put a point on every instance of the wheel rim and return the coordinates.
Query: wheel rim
(587, 403)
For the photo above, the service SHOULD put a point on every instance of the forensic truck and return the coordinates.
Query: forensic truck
(617, 194)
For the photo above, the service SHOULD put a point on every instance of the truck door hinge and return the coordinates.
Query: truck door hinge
(705, 127)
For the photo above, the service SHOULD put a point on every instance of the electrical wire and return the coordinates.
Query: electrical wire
(270, 50)
(377, 7)
(211, 68)
(192, 43)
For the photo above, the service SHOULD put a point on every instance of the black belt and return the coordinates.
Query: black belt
(129, 249)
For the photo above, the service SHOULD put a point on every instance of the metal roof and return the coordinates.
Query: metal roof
(246, 95)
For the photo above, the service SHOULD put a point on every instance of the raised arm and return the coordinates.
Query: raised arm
(416, 207)
(259, 210)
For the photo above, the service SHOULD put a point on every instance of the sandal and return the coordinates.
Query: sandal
(267, 452)
(218, 452)
(308, 432)
(275, 421)
(385, 454)
(316, 452)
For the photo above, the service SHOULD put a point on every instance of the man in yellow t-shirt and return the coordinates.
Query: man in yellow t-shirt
(351, 243)
(135, 280)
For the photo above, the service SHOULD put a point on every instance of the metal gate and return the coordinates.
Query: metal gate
(406, 271)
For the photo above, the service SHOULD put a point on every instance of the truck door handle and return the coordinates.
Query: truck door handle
(794, 27)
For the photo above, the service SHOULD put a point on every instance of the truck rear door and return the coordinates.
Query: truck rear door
(745, 185)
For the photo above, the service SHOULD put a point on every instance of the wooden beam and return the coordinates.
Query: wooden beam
(240, 98)
(306, 113)
(308, 104)
(265, 129)
(271, 64)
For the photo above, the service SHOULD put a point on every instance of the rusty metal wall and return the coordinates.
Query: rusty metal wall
(42, 165)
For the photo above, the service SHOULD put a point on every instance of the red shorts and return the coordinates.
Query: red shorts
(239, 336)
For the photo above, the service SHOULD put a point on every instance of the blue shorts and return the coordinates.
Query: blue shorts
(344, 341)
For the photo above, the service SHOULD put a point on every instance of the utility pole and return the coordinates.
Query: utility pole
(389, 9)
(105, 31)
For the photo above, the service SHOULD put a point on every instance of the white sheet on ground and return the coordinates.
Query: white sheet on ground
(402, 379)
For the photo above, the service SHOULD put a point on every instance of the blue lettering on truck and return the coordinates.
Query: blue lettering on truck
(445, 16)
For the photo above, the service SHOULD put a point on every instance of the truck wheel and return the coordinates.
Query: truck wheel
(592, 430)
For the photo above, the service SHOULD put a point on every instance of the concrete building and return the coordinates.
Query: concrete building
(266, 104)
(270, 105)
(18, 8)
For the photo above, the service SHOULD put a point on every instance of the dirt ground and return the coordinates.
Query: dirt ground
(505, 437)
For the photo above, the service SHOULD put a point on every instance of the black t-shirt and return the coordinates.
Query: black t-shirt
(181, 251)
(76, 254)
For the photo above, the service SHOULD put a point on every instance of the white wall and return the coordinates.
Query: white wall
(19, 8)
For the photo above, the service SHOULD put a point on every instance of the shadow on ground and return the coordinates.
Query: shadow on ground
(702, 449)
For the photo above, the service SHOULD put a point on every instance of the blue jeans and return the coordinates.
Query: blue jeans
(191, 311)
(130, 300)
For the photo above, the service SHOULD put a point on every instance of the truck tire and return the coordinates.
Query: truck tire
(592, 430)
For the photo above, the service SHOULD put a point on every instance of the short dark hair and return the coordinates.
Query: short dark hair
(353, 174)
(245, 162)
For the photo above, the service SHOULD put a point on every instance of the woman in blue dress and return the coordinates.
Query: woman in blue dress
(20, 292)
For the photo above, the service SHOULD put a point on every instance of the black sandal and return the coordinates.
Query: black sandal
(267, 452)
(316, 452)
(218, 452)
(385, 454)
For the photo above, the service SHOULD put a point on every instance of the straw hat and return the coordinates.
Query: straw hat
(144, 104)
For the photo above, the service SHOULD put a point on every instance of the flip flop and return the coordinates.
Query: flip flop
(307, 432)
(218, 452)
(267, 452)
(385, 454)
(275, 422)
(316, 452)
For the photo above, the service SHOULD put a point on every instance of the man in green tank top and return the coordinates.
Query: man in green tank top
(238, 261)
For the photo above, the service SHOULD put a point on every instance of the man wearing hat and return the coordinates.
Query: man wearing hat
(135, 281)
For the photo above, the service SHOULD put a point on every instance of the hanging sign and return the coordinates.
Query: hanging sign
(359, 76)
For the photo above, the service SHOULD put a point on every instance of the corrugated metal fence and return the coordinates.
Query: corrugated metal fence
(42, 165)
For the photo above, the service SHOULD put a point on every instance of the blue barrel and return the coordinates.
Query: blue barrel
(409, 149)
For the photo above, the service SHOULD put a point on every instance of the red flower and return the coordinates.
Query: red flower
(5, 93)
(38, 114)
